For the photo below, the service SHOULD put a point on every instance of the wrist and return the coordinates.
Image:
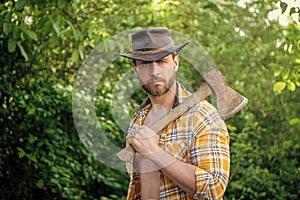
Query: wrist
(144, 165)
(161, 158)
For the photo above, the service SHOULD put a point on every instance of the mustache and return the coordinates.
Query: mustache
(155, 78)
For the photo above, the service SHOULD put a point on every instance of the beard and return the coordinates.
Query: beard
(158, 89)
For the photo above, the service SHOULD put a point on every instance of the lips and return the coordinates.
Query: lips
(156, 80)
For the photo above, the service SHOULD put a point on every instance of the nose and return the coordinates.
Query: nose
(154, 69)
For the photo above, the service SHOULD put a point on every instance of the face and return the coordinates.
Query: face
(157, 77)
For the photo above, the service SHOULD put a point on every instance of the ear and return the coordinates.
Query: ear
(134, 68)
(176, 61)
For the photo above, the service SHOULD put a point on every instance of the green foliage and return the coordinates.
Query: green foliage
(287, 67)
(43, 45)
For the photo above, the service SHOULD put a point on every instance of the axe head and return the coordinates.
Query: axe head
(234, 102)
(228, 100)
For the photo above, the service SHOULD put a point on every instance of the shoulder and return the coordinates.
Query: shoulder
(203, 109)
(204, 116)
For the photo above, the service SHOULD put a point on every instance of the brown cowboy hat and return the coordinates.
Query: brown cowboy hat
(152, 44)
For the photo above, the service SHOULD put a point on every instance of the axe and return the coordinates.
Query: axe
(228, 103)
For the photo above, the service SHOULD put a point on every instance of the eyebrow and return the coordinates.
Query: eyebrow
(163, 59)
(145, 62)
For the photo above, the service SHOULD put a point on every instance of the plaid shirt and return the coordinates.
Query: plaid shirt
(198, 137)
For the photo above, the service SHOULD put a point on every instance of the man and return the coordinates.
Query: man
(189, 158)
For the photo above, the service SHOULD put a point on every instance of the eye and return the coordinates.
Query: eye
(162, 61)
(143, 63)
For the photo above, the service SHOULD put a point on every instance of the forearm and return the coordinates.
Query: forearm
(149, 178)
(190, 178)
(182, 174)
(150, 185)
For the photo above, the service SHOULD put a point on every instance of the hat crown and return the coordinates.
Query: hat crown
(152, 44)
(149, 39)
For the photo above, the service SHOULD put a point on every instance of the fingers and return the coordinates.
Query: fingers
(144, 140)
(141, 132)
(130, 139)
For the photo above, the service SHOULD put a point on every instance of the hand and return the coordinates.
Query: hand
(145, 140)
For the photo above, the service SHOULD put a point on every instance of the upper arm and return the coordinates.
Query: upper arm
(210, 154)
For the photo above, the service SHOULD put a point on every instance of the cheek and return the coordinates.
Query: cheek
(143, 77)
(168, 71)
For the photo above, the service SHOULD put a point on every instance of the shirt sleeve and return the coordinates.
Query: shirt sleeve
(210, 153)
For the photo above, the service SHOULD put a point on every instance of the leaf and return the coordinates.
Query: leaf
(7, 28)
(285, 75)
(56, 28)
(294, 121)
(291, 86)
(40, 183)
(61, 3)
(283, 7)
(11, 45)
(32, 35)
(293, 10)
(31, 139)
(47, 28)
(81, 53)
(273, 64)
(66, 31)
(21, 152)
(297, 61)
(277, 73)
(20, 4)
(23, 52)
(279, 86)
(75, 55)
(77, 33)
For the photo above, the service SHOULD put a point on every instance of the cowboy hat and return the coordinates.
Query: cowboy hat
(152, 44)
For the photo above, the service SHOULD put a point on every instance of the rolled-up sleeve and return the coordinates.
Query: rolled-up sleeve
(210, 154)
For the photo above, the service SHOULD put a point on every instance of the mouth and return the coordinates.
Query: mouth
(156, 81)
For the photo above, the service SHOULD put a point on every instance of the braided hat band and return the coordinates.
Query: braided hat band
(147, 52)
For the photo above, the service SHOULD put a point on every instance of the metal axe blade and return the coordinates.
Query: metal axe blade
(228, 100)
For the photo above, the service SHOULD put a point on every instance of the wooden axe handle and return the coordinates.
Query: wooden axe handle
(203, 91)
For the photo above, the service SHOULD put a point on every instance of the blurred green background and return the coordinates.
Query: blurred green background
(256, 45)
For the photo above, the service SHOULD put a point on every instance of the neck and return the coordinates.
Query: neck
(164, 101)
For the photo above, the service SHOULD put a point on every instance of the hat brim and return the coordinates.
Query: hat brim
(156, 56)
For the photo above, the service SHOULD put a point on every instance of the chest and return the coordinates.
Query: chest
(177, 138)
(153, 117)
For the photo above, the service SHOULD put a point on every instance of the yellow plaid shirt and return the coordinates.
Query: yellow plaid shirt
(198, 137)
